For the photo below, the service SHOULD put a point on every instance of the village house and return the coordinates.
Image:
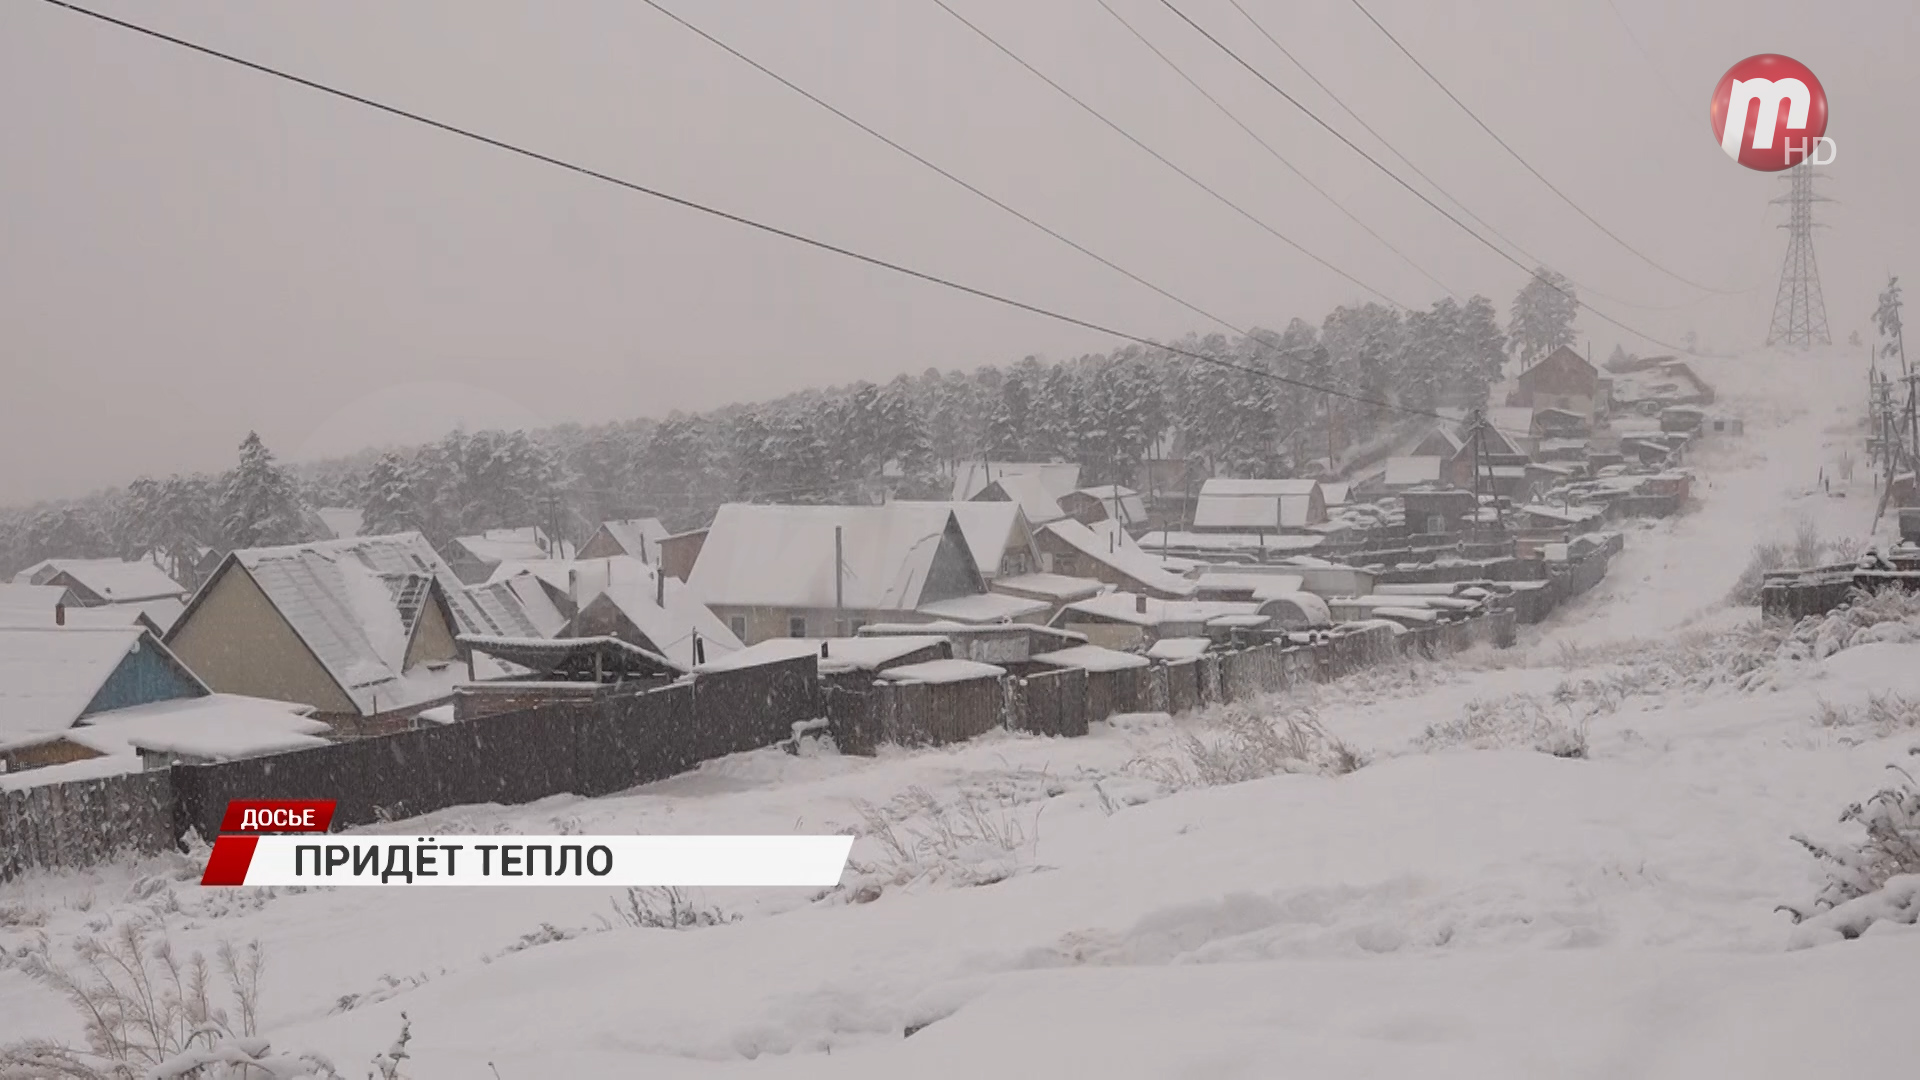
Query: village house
(554, 590)
(1090, 506)
(823, 571)
(1259, 506)
(1656, 386)
(1445, 511)
(112, 582)
(637, 538)
(1564, 380)
(1403, 473)
(473, 558)
(660, 615)
(362, 630)
(1108, 555)
(81, 702)
(1129, 621)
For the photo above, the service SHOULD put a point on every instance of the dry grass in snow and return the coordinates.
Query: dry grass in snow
(1871, 880)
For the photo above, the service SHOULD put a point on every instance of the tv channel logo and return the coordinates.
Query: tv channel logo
(1770, 113)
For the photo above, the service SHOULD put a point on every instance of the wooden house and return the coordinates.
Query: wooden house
(1056, 478)
(823, 571)
(112, 583)
(1248, 506)
(662, 616)
(1107, 554)
(998, 534)
(679, 552)
(361, 630)
(1108, 502)
(473, 558)
(1564, 380)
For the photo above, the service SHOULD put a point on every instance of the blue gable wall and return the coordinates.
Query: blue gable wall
(144, 676)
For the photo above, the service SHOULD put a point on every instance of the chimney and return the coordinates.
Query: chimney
(1140, 603)
(823, 650)
(659, 588)
(60, 613)
(699, 649)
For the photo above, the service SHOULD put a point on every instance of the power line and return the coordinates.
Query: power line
(1515, 154)
(1417, 193)
(738, 219)
(789, 84)
(1268, 147)
(1162, 158)
(1435, 184)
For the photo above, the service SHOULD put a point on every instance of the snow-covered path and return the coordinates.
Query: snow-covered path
(1440, 912)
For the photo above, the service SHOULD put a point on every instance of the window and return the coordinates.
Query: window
(1436, 523)
(738, 624)
(797, 626)
(1016, 564)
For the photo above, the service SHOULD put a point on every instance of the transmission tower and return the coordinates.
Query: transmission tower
(1799, 311)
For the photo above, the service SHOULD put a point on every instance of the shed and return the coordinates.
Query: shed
(1297, 611)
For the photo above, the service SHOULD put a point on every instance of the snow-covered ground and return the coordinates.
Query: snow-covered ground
(1445, 910)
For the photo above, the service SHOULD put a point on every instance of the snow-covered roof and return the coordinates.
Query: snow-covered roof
(1262, 586)
(1336, 493)
(537, 602)
(638, 536)
(783, 556)
(116, 581)
(220, 727)
(1050, 586)
(499, 545)
(32, 604)
(1133, 508)
(1513, 420)
(988, 607)
(972, 477)
(49, 675)
(670, 628)
(990, 528)
(1029, 493)
(1227, 542)
(1108, 543)
(1092, 658)
(355, 604)
(344, 522)
(942, 671)
(1179, 648)
(1254, 504)
(843, 653)
(1408, 471)
(1125, 608)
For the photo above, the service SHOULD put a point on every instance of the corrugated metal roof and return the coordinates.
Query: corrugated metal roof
(48, 674)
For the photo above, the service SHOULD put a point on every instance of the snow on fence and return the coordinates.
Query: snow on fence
(85, 821)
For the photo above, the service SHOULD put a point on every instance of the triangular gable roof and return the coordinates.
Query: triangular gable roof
(783, 556)
(1029, 492)
(356, 604)
(1133, 508)
(342, 522)
(1254, 504)
(117, 581)
(1561, 359)
(988, 526)
(638, 537)
(49, 675)
(32, 604)
(670, 629)
(499, 545)
(1112, 547)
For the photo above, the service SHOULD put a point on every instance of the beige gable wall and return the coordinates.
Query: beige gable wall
(237, 642)
(432, 639)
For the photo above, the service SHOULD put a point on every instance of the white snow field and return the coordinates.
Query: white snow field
(1463, 905)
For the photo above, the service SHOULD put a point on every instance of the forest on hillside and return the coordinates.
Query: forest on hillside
(1260, 410)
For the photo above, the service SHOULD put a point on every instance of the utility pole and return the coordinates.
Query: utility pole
(839, 575)
(1799, 309)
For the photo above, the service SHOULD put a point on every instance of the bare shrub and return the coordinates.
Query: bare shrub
(655, 908)
(1513, 722)
(149, 1012)
(387, 1062)
(1235, 743)
(972, 840)
(1875, 879)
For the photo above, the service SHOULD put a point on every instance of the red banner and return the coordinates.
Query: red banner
(278, 816)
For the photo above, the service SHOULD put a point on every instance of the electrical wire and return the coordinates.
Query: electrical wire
(1417, 193)
(1537, 175)
(1162, 158)
(725, 215)
(1268, 147)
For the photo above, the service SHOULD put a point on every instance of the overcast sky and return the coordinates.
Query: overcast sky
(189, 250)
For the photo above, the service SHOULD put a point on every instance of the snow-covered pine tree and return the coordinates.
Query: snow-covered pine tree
(1543, 314)
(1483, 348)
(390, 505)
(261, 504)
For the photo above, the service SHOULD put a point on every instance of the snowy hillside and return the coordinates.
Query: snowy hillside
(1562, 860)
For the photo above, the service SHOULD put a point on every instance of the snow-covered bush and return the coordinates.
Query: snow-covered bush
(1889, 615)
(975, 839)
(1237, 742)
(654, 908)
(1513, 722)
(1883, 714)
(1806, 549)
(150, 1013)
(1874, 879)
